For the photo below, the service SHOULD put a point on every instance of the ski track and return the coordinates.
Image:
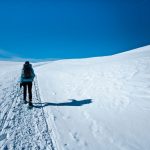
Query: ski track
(22, 128)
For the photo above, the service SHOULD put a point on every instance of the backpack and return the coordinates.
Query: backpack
(27, 71)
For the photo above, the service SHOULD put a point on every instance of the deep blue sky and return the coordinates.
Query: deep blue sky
(72, 28)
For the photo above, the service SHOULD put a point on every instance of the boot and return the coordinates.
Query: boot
(25, 102)
(30, 103)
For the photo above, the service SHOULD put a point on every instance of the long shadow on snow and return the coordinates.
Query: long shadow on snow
(73, 102)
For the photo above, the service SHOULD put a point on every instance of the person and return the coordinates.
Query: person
(27, 77)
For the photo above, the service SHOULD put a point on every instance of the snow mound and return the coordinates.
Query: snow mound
(100, 103)
(118, 90)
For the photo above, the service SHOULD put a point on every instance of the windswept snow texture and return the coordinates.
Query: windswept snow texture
(98, 103)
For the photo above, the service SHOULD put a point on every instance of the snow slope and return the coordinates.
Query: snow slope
(100, 103)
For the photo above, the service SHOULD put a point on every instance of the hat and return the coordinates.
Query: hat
(27, 62)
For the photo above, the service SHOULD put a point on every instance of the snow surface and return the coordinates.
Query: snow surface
(100, 103)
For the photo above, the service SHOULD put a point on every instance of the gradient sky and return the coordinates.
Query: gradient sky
(72, 28)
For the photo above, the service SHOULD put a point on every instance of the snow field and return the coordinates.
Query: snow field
(118, 86)
(98, 103)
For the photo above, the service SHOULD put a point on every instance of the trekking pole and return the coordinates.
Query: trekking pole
(35, 88)
(18, 92)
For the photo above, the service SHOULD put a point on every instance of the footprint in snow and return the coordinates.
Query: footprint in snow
(2, 137)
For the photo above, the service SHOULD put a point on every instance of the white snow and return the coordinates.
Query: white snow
(100, 103)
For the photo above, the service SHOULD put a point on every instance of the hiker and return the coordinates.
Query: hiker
(26, 80)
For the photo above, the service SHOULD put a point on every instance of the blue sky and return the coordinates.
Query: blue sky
(72, 28)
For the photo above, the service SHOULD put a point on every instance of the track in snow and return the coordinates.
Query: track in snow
(21, 127)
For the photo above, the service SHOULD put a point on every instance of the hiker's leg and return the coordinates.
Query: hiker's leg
(24, 91)
(30, 91)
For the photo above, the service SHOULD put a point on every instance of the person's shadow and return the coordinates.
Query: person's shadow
(73, 102)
